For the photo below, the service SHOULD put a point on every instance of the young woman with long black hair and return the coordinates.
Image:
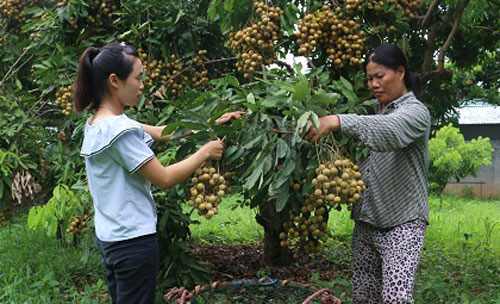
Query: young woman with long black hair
(121, 167)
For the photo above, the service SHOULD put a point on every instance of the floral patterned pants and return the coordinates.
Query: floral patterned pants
(385, 262)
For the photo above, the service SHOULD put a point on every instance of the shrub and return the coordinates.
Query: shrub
(451, 157)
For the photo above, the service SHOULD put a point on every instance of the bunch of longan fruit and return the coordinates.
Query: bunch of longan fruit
(407, 7)
(104, 10)
(63, 99)
(255, 44)
(336, 183)
(12, 10)
(333, 32)
(99, 13)
(78, 225)
(207, 189)
(173, 74)
(198, 73)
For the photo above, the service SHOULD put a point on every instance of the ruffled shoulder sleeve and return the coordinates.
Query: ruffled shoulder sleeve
(101, 135)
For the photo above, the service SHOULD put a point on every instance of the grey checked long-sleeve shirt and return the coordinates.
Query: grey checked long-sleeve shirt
(396, 171)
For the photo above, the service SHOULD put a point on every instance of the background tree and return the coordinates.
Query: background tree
(451, 157)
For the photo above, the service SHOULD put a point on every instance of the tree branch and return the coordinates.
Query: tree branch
(12, 67)
(430, 48)
(286, 65)
(430, 12)
(451, 35)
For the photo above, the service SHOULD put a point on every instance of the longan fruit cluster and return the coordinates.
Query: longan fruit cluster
(63, 99)
(61, 3)
(198, 73)
(12, 10)
(254, 44)
(37, 34)
(103, 11)
(337, 182)
(78, 224)
(407, 7)
(168, 73)
(304, 231)
(208, 188)
(334, 33)
(100, 13)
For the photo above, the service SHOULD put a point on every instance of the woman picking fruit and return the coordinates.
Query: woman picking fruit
(121, 167)
(392, 215)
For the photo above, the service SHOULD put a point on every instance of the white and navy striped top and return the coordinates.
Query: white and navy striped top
(396, 171)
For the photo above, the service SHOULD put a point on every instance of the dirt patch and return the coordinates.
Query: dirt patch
(234, 262)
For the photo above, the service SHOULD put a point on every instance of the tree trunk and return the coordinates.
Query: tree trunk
(274, 254)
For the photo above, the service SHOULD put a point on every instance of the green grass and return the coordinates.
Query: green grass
(35, 269)
(460, 262)
(233, 225)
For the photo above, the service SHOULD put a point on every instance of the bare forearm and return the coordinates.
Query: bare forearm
(180, 171)
(155, 132)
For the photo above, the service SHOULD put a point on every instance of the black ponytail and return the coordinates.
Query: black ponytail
(94, 67)
(390, 56)
(83, 95)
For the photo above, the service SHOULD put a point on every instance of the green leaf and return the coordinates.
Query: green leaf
(194, 125)
(282, 198)
(302, 122)
(274, 102)
(230, 151)
(225, 25)
(301, 89)
(19, 84)
(228, 5)
(281, 148)
(284, 174)
(254, 141)
(171, 128)
(125, 34)
(346, 83)
(232, 81)
(251, 107)
(252, 179)
(251, 98)
(326, 98)
(212, 10)
(315, 120)
(33, 216)
(180, 14)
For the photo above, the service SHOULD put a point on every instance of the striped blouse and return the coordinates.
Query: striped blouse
(396, 171)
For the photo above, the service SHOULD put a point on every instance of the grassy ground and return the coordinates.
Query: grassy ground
(460, 262)
(35, 269)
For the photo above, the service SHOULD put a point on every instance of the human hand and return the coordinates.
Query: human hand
(327, 124)
(229, 116)
(213, 149)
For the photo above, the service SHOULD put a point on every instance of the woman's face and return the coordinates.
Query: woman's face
(130, 89)
(385, 83)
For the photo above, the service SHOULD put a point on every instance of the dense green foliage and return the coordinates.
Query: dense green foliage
(451, 157)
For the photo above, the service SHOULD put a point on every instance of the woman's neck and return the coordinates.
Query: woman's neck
(111, 105)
